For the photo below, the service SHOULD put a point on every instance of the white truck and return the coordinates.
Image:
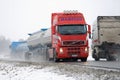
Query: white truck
(106, 38)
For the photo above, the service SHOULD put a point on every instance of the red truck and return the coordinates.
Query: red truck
(66, 39)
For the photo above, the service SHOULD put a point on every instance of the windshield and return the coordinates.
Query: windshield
(72, 29)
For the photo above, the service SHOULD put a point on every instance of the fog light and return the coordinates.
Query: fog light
(61, 50)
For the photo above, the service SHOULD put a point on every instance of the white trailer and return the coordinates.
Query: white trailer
(40, 38)
(37, 43)
(106, 37)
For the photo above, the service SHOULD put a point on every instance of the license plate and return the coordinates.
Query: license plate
(74, 55)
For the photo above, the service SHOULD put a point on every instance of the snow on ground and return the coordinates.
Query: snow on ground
(13, 72)
(19, 71)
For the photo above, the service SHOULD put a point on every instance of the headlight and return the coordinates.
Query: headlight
(61, 50)
(86, 49)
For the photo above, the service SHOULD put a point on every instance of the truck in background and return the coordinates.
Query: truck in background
(106, 38)
(18, 49)
(66, 39)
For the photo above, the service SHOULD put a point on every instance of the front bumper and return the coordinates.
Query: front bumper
(72, 52)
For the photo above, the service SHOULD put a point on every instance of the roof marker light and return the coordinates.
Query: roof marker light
(70, 11)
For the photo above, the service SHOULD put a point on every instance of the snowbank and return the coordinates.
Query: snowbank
(23, 72)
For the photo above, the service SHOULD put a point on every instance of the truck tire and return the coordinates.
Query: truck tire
(110, 58)
(48, 58)
(83, 59)
(55, 59)
(96, 54)
(97, 58)
(55, 56)
(47, 55)
(27, 55)
(75, 60)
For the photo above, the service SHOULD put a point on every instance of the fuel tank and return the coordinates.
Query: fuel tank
(40, 38)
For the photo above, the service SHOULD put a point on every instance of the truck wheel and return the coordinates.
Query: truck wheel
(96, 54)
(83, 59)
(55, 59)
(97, 59)
(47, 55)
(27, 55)
(110, 58)
(54, 56)
(75, 60)
(48, 58)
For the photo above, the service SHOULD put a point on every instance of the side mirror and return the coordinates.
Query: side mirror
(90, 36)
(89, 31)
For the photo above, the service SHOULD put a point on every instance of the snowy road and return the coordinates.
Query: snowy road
(21, 70)
(13, 70)
(28, 71)
(10, 70)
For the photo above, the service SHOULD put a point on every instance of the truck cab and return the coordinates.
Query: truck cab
(70, 36)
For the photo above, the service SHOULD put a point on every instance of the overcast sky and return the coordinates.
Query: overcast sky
(20, 17)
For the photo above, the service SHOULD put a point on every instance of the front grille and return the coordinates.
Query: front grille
(73, 43)
(73, 50)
